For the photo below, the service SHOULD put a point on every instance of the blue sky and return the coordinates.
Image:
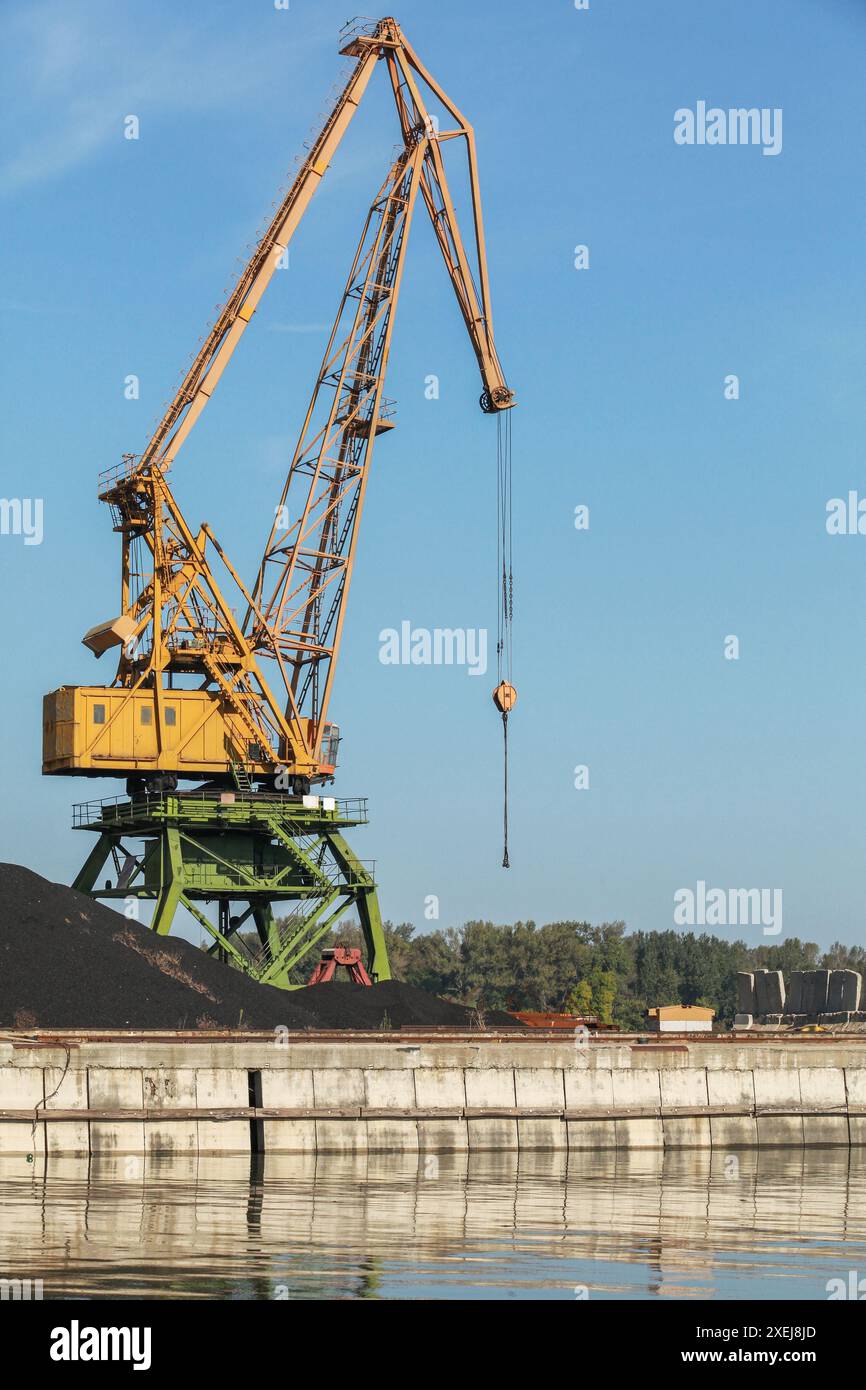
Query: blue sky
(707, 515)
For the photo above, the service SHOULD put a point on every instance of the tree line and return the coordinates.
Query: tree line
(583, 969)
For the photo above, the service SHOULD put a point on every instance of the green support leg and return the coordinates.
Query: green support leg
(370, 917)
(379, 967)
(172, 883)
(88, 874)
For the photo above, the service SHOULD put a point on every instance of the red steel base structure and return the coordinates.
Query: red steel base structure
(346, 956)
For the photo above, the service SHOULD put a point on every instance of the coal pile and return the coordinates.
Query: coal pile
(67, 961)
(389, 1005)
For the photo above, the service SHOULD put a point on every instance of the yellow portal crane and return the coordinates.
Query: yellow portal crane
(190, 698)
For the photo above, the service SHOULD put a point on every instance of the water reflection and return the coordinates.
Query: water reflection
(758, 1224)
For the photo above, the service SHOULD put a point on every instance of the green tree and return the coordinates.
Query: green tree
(579, 1000)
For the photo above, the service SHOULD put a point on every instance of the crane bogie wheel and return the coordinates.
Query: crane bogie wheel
(159, 783)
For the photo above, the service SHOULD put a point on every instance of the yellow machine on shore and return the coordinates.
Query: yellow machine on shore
(190, 697)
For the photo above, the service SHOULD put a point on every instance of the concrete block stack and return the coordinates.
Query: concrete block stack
(746, 992)
(843, 994)
(816, 983)
(795, 991)
(808, 996)
(770, 995)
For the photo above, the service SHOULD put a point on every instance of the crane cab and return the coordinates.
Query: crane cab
(105, 731)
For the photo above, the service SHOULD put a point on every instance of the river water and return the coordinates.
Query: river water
(688, 1225)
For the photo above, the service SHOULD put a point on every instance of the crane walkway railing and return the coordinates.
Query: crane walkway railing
(147, 807)
(118, 472)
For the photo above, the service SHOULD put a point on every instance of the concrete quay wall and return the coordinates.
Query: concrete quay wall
(82, 1094)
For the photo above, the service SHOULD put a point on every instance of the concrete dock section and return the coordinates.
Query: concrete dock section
(400, 1092)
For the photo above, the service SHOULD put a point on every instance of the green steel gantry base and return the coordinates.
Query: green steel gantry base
(261, 851)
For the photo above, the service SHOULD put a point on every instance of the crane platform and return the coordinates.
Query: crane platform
(255, 854)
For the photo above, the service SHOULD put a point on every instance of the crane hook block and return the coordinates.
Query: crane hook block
(504, 697)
